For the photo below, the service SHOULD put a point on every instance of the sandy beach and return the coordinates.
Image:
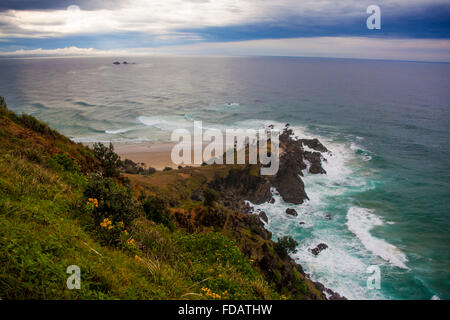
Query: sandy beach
(156, 155)
(153, 154)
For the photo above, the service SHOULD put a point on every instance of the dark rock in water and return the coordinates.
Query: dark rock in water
(116, 62)
(291, 212)
(287, 180)
(320, 247)
(314, 144)
(332, 295)
(301, 223)
(315, 158)
(272, 200)
(243, 184)
(263, 216)
(328, 216)
(125, 62)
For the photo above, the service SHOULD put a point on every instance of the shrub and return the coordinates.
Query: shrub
(33, 154)
(129, 166)
(114, 202)
(213, 247)
(286, 245)
(167, 169)
(108, 158)
(62, 161)
(155, 209)
(210, 196)
(32, 123)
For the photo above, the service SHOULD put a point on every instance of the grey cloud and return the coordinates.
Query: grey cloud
(60, 4)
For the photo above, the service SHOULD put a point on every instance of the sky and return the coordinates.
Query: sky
(410, 29)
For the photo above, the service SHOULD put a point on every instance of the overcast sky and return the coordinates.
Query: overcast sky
(410, 29)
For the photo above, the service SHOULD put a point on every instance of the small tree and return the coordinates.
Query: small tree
(155, 209)
(114, 201)
(211, 196)
(286, 245)
(108, 158)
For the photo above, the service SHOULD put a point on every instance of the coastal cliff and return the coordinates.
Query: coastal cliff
(175, 234)
(184, 189)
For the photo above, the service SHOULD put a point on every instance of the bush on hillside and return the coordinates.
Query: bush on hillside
(131, 167)
(210, 196)
(109, 160)
(286, 245)
(32, 123)
(156, 209)
(113, 201)
(62, 162)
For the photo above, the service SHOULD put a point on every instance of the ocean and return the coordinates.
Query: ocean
(385, 198)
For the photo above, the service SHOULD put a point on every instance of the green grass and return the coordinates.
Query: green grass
(43, 231)
(46, 225)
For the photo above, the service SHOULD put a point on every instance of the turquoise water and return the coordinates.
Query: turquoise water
(387, 125)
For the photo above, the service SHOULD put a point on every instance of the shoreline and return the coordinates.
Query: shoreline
(152, 154)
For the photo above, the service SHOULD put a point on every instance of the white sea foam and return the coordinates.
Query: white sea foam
(169, 123)
(118, 131)
(337, 267)
(343, 265)
(360, 221)
(360, 149)
(93, 139)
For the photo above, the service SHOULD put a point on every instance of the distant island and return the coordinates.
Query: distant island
(125, 62)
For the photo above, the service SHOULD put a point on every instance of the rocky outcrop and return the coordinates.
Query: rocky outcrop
(255, 242)
(263, 216)
(314, 144)
(291, 212)
(319, 248)
(245, 183)
(287, 180)
(242, 184)
(315, 159)
(330, 293)
(293, 160)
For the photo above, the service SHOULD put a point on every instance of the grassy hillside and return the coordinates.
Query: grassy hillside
(59, 206)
